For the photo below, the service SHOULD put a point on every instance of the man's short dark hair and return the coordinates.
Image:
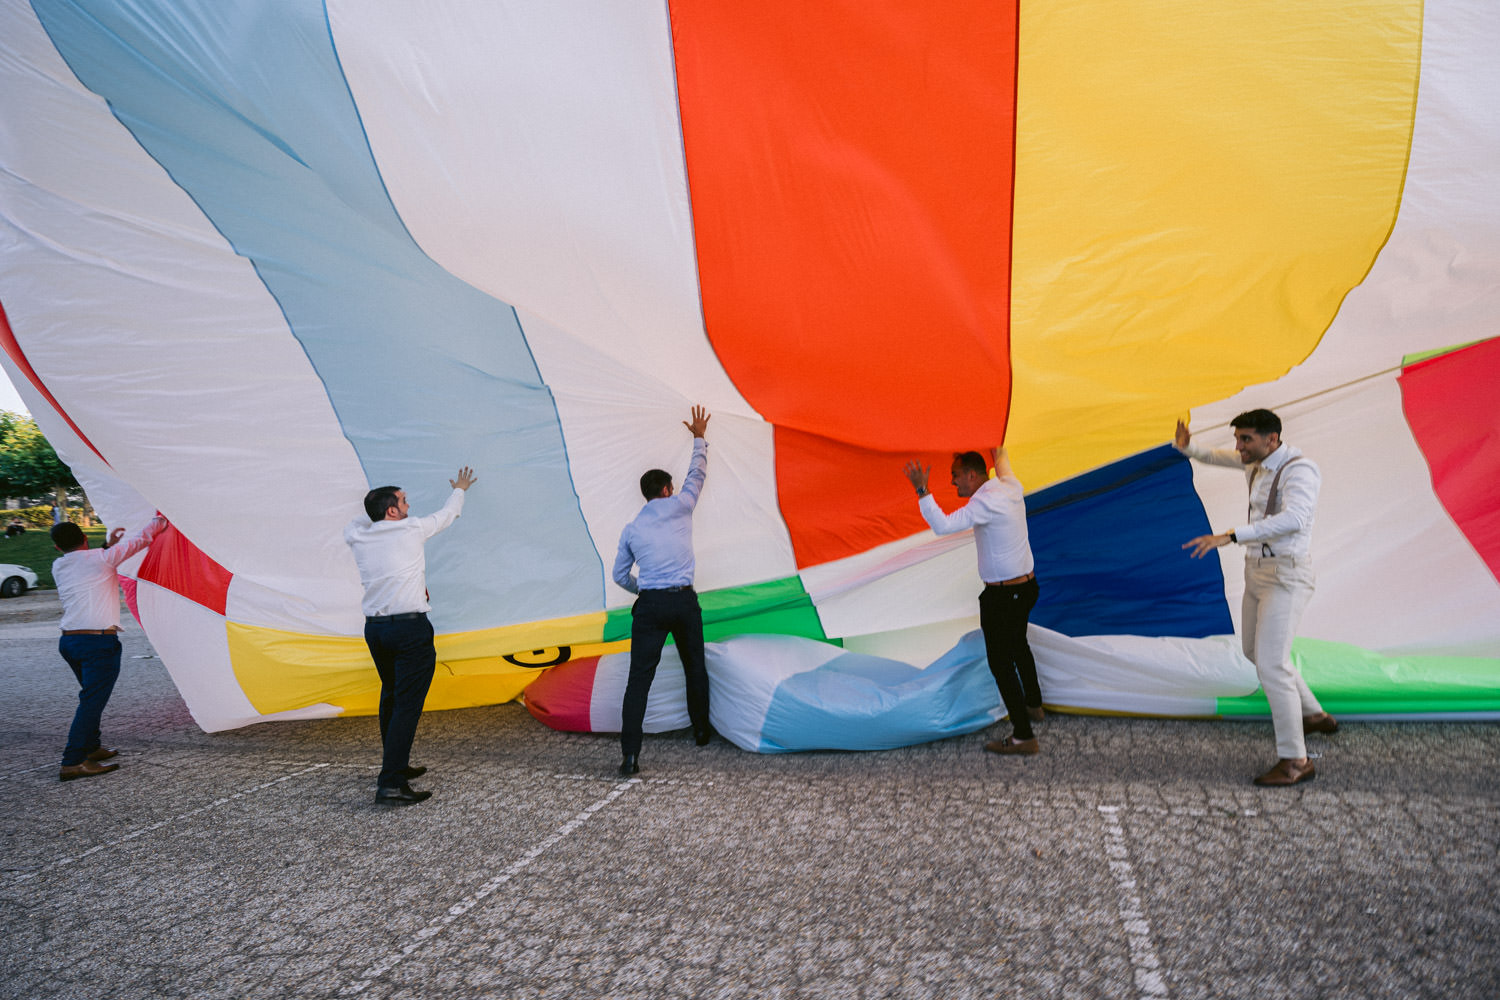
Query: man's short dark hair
(68, 536)
(653, 482)
(1259, 421)
(971, 461)
(381, 499)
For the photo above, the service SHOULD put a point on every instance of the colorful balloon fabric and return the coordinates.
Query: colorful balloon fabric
(256, 258)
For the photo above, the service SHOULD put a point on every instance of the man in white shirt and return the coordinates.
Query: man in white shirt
(1278, 576)
(389, 548)
(997, 512)
(88, 587)
(660, 542)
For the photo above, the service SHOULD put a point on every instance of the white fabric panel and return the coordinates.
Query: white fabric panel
(1098, 667)
(909, 582)
(919, 646)
(194, 647)
(618, 425)
(229, 431)
(1395, 575)
(535, 152)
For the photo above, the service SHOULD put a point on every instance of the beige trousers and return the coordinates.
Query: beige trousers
(1277, 589)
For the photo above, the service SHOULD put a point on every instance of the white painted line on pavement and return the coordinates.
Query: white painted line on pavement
(1148, 978)
(472, 900)
(166, 822)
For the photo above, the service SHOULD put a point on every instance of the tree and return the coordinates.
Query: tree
(28, 465)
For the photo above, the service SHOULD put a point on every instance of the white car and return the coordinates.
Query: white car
(15, 580)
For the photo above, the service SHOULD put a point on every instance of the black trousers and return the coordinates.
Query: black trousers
(1003, 614)
(655, 614)
(405, 658)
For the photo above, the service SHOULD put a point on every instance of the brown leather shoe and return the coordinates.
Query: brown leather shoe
(1320, 723)
(87, 769)
(104, 753)
(1288, 772)
(1037, 713)
(1013, 746)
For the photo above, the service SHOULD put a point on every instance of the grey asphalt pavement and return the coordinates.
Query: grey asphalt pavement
(1131, 859)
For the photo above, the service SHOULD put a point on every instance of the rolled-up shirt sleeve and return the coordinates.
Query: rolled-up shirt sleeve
(1298, 491)
(962, 519)
(127, 547)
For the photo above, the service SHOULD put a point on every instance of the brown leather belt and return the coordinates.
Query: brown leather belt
(1013, 581)
(90, 631)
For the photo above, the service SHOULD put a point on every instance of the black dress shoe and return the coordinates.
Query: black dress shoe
(403, 795)
(702, 736)
(413, 772)
(630, 765)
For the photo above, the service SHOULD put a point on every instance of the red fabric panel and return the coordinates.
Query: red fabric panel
(1450, 404)
(560, 697)
(852, 216)
(12, 348)
(127, 585)
(180, 566)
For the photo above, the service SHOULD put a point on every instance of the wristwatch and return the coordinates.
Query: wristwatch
(1233, 539)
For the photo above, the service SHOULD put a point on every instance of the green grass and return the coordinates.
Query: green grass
(34, 550)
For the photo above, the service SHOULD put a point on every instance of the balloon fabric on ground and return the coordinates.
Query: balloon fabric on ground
(257, 260)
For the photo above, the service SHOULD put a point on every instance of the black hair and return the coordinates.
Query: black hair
(68, 536)
(653, 481)
(379, 500)
(971, 461)
(1259, 421)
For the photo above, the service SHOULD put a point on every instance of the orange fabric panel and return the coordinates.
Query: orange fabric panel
(839, 500)
(850, 170)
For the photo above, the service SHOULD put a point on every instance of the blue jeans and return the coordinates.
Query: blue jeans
(95, 660)
(655, 614)
(405, 659)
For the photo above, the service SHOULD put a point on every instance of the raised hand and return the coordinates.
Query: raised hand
(465, 479)
(699, 423)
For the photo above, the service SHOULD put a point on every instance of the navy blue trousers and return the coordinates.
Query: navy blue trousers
(1003, 615)
(95, 661)
(405, 659)
(656, 614)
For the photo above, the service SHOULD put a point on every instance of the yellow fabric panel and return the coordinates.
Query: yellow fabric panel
(280, 670)
(1198, 186)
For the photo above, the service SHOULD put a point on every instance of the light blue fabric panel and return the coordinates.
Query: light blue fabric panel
(249, 112)
(861, 702)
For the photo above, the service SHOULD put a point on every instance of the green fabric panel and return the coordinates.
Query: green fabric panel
(1353, 681)
(779, 607)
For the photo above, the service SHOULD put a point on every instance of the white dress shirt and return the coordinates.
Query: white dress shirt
(997, 513)
(392, 559)
(88, 584)
(1288, 532)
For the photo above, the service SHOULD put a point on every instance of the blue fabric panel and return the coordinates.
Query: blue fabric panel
(860, 702)
(1109, 556)
(248, 110)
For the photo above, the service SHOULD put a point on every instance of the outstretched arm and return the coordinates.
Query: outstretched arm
(1204, 544)
(1002, 463)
